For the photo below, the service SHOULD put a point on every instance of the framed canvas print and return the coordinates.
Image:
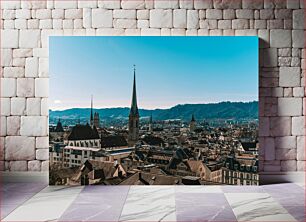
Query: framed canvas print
(153, 111)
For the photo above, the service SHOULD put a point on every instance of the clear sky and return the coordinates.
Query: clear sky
(169, 70)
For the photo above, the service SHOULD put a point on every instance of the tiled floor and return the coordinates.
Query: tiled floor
(39, 202)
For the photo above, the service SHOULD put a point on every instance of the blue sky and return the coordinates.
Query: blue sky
(169, 70)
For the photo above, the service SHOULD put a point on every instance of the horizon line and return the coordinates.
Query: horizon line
(124, 107)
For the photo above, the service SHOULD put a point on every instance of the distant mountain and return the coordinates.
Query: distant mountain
(222, 110)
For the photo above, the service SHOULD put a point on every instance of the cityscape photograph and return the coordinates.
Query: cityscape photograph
(153, 111)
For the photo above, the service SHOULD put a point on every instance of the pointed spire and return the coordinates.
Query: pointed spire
(134, 108)
(192, 118)
(151, 118)
(91, 110)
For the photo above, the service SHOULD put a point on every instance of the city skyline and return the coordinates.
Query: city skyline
(205, 55)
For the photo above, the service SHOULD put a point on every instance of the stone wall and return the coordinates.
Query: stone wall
(26, 26)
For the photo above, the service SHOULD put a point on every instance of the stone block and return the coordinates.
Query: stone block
(280, 38)
(34, 126)
(13, 72)
(20, 23)
(264, 126)
(299, 19)
(186, 4)
(203, 4)
(142, 23)
(207, 24)
(150, 32)
(245, 13)
(31, 67)
(42, 154)
(285, 154)
(13, 125)
(240, 24)
(9, 38)
(252, 4)
(42, 142)
(87, 4)
(109, 4)
(3, 128)
(127, 14)
(18, 106)
(43, 68)
(23, 14)
(301, 166)
(214, 14)
(289, 76)
(298, 38)
(66, 4)
(33, 106)
(25, 87)
(102, 18)
(160, 18)
(284, 52)
(288, 165)
(293, 4)
(192, 19)
(22, 53)
(18, 166)
(179, 18)
(86, 18)
(29, 38)
(143, 14)
(229, 14)
(299, 92)
(301, 148)
(285, 142)
(224, 24)
(43, 13)
(19, 148)
(6, 57)
(298, 126)
(166, 4)
(227, 4)
(73, 13)
(45, 165)
(41, 87)
(44, 107)
(58, 13)
(10, 5)
(290, 106)
(269, 148)
(34, 165)
(8, 87)
(280, 126)
(5, 106)
(125, 23)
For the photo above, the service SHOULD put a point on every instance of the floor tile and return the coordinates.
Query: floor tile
(203, 207)
(47, 205)
(242, 189)
(149, 203)
(298, 212)
(283, 188)
(97, 203)
(198, 189)
(257, 207)
(290, 199)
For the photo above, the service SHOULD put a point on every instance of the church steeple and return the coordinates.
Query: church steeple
(133, 117)
(134, 108)
(91, 111)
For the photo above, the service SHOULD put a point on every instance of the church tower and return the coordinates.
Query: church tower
(192, 124)
(133, 117)
(151, 124)
(91, 112)
(96, 120)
